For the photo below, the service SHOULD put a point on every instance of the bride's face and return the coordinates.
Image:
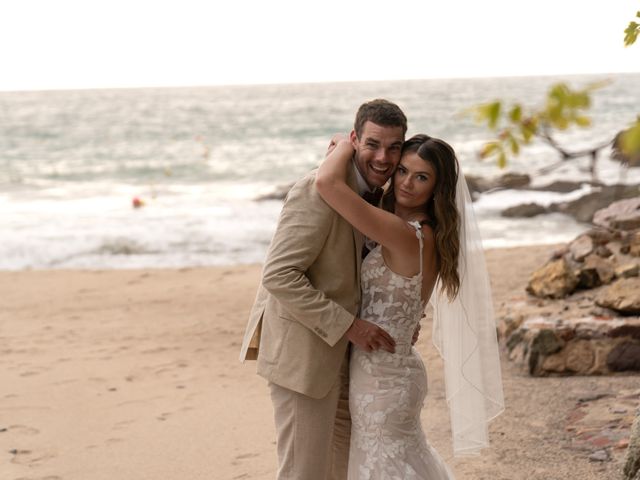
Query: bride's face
(414, 181)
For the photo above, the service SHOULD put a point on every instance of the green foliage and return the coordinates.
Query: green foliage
(631, 32)
(630, 139)
(563, 109)
(516, 127)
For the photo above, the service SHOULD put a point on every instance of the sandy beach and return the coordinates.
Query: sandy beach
(134, 374)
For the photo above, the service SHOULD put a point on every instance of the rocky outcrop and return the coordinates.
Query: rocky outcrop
(581, 247)
(556, 279)
(627, 270)
(587, 345)
(563, 186)
(621, 215)
(595, 271)
(584, 313)
(631, 244)
(525, 210)
(584, 208)
(477, 184)
(623, 296)
(595, 258)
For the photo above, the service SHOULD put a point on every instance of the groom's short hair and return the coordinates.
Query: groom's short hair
(381, 112)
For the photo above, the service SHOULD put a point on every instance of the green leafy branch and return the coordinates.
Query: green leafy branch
(517, 126)
(631, 32)
(627, 144)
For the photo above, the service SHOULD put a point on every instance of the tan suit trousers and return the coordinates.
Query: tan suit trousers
(313, 434)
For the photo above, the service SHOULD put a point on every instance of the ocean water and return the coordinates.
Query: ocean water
(71, 163)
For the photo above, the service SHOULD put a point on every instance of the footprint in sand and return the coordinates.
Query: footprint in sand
(48, 477)
(155, 350)
(123, 424)
(23, 430)
(238, 459)
(30, 458)
(162, 417)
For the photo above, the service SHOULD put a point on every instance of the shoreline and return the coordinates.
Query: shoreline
(134, 373)
(550, 244)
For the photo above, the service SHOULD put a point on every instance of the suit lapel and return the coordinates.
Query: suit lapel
(358, 238)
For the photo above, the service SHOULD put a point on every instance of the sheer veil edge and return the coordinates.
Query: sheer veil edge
(464, 332)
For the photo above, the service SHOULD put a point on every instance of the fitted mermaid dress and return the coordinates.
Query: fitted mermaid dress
(387, 391)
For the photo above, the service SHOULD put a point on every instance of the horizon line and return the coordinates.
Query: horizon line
(306, 82)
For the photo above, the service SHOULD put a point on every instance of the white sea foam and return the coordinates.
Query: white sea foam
(72, 162)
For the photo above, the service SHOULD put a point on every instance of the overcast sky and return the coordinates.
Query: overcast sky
(137, 43)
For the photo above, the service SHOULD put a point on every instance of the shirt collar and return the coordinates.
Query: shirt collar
(363, 186)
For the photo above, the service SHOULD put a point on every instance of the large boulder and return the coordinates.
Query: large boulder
(525, 210)
(560, 186)
(556, 279)
(595, 271)
(477, 184)
(602, 236)
(581, 247)
(588, 345)
(625, 356)
(627, 270)
(513, 180)
(622, 296)
(584, 208)
(631, 245)
(621, 215)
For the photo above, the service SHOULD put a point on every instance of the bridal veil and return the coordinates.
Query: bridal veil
(464, 333)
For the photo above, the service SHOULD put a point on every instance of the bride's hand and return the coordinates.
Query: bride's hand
(368, 336)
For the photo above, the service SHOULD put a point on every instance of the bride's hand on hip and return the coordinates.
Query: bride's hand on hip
(369, 337)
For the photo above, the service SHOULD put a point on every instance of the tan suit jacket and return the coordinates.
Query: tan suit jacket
(309, 295)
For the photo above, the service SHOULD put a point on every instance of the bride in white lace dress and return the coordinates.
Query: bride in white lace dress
(418, 248)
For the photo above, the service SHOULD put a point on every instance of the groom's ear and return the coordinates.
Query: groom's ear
(354, 139)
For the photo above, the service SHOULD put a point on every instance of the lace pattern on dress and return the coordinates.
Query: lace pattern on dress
(387, 391)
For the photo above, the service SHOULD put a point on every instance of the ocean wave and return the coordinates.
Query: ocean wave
(124, 246)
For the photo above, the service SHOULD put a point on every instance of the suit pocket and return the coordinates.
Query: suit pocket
(275, 331)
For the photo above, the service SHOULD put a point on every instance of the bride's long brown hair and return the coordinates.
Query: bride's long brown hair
(442, 213)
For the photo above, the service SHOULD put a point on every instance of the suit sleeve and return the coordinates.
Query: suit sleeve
(302, 231)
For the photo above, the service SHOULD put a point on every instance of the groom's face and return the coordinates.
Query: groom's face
(377, 152)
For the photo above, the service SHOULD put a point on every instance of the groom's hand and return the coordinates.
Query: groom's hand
(368, 336)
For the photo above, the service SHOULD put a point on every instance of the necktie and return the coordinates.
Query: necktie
(373, 197)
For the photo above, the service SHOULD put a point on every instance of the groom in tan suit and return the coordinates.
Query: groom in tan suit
(305, 312)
